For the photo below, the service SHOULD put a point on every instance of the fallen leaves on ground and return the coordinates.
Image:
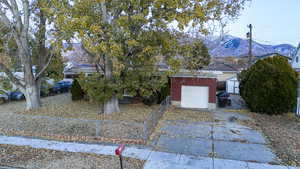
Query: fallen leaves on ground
(30, 158)
(283, 132)
(188, 115)
(63, 106)
(70, 118)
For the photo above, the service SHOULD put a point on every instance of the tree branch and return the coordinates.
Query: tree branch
(4, 19)
(93, 56)
(16, 14)
(11, 76)
(7, 4)
(45, 67)
(26, 16)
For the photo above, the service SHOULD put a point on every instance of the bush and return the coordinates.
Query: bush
(151, 100)
(269, 86)
(164, 92)
(158, 96)
(76, 91)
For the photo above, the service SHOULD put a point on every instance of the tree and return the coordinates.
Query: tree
(269, 86)
(76, 91)
(196, 55)
(20, 19)
(129, 37)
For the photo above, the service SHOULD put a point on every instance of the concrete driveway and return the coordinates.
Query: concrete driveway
(222, 139)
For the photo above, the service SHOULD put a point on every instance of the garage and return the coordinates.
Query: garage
(190, 91)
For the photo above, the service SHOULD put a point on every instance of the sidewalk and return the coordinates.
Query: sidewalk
(155, 160)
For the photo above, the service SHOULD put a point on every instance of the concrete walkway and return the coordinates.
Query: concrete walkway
(225, 139)
(155, 159)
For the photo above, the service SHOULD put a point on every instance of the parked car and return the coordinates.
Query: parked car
(16, 95)
(61, 87)
(223, 99)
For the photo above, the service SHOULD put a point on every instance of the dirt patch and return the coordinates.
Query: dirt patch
(253, 124)
(283, 132)
(30, 158)
(188, 115)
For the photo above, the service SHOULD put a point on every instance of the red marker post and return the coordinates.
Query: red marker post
(118, 152)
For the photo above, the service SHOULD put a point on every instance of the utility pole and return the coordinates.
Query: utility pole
(298, 98)
(249, 36)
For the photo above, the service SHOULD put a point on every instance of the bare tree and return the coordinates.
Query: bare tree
(16, 17)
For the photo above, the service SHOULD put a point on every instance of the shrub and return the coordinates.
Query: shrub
(76, 91)
(151, 100)
(269, 86)
(164, 92)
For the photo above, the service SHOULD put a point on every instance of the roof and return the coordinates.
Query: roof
(224, 67)
(195, 75)
(232, 77)
(297, 53)
(271, 55)
(80, 68)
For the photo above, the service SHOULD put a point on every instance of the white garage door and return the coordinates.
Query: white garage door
(194, 97)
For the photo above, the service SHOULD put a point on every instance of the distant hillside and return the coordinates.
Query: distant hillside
(238, 47)
(218, 47)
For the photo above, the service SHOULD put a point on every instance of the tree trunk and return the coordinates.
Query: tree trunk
(112, 105)
(31, 88)
(32, 97)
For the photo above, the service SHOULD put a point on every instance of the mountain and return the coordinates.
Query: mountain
(238, 47)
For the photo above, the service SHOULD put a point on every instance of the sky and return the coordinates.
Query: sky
(274, 21)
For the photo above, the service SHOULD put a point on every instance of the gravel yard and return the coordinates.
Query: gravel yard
(30, 158)
(283, 132)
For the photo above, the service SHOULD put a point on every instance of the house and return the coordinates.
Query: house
(271, 55)
(223, 71)
(232, 85)
(296, 59)
(194, 91)
(72, 71)
(223, 67)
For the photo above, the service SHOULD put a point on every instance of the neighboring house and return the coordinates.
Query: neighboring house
(194, 91)
(296, 59)
(72, 71)
(232, 85)
(222, 70)
(271, 55)
(222, 67)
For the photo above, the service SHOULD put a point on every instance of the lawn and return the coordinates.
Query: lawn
(61, 116)
(63, 106)
(283, 132)
(30, 158)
